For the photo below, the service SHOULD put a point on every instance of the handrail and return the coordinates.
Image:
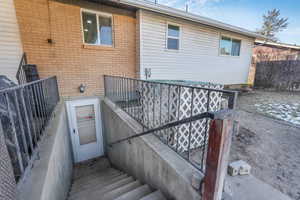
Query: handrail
(26, 110)
(174, 84)
(157, 105)
(168, 125)
(26, 84)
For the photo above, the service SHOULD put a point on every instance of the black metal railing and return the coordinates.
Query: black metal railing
(25, 111)
(155, 104)
(21, 76)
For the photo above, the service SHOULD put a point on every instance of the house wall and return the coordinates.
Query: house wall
(197, 59)
(66, 57)
(10, 42)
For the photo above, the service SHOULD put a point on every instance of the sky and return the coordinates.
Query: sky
(246, 13)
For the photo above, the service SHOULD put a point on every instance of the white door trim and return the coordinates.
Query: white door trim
(71, 105)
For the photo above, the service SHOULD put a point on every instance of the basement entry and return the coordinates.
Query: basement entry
(85, 128)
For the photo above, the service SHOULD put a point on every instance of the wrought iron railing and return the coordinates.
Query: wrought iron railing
(24, 113)
(21, 76)
(154, 104)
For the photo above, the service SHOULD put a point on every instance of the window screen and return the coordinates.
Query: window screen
(225, 46)
(230, 46)
(236, 47)
(89, 22)
(173, 37)
(97, 28)
(105, 29)
(86, 123)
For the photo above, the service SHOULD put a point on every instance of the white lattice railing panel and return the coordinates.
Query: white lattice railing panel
(166, 103)
(174, 103)
(198, 133)
(154, 104)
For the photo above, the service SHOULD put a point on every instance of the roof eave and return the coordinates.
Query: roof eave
(278, 44)
(191, 17)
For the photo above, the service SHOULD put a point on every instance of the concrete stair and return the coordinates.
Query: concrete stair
(97, 180)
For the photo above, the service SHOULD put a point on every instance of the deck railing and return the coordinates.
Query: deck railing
(154, 104)
(24, 113)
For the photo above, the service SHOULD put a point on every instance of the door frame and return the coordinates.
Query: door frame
(72, 120)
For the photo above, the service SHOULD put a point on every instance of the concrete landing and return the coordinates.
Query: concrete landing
(250, 188)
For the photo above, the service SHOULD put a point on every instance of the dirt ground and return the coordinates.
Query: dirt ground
(270, 146)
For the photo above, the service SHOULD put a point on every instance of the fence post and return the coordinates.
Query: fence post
(220, 134)
(7, 179)
(232, 100)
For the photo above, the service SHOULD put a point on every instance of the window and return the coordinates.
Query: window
(173, 37)
(230, 46)
(97, 28)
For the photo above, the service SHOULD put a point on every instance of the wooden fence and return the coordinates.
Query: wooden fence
(279, 75)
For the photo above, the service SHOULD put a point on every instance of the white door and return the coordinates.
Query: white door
(85, 128)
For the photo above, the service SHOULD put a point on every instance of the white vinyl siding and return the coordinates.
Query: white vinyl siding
(198, 57)
(10, 42)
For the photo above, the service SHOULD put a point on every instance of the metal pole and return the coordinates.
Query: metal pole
(178, 118)
(206, 131)
(26, 119)
(190, 129)
(20, 120)
(15, 136)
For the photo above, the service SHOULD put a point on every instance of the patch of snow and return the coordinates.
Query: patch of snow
(289, 112)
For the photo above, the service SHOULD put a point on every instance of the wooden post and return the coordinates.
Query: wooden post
(217, 158)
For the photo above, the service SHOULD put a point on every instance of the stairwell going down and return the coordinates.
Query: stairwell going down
(97, 180)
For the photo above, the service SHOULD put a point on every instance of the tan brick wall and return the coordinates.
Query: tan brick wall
(67, 58)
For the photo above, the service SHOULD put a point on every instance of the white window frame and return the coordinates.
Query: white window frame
(172, 37)
(231, 38)
(97, 13)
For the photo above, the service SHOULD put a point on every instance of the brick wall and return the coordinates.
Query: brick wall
(67, 58)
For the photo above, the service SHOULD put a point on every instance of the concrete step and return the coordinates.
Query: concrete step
(157, 195)
(96, 174)
(95, 177)
(99, 192)
(76, 186)
(93, 165)
(135, 194)
(96, 180)
(119, 191)
(97, 186)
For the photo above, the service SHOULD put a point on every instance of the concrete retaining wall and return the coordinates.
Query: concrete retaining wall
(146, 158)
(51, 175)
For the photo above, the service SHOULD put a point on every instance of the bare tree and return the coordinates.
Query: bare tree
(272, 24)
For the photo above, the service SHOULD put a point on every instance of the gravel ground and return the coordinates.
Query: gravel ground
(269, 145)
